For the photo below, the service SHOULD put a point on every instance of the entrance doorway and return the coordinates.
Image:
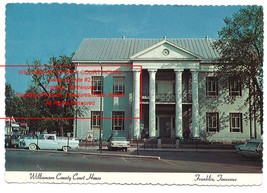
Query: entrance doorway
(165, 126)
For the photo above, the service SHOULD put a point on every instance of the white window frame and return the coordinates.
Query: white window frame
(212, 121)
(235, 88)
(118, 85)
(95, 120)
(211, 86)
(97, 82)
(118, 120)
(236, 122)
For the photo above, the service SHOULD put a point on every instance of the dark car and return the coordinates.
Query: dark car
(15, 141)
(252, 148)
(7, 141)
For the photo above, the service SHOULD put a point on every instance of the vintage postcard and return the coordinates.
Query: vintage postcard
(133, 94)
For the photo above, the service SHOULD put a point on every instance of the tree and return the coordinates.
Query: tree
(9, 94)
(241, 49)
(59, 107)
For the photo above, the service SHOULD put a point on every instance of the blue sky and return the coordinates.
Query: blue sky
(40, 31)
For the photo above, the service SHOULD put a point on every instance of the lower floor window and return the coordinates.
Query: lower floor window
(212, 120)
(95, 120)
(236, 122)
(118, 121)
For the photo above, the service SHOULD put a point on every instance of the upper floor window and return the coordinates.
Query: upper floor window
(211, 86)
(119, 85)
(118, 121)
(236, 122)
(235, 88)
(212, 121)
(97, 83)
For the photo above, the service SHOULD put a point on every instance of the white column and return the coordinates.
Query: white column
(152, 103)
(136, 103)
(195, 106)
(178, 106)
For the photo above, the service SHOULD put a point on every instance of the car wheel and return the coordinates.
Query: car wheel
(125, 149)
(65, 148)
(32, 147)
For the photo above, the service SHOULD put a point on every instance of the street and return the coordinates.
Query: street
(83, 161)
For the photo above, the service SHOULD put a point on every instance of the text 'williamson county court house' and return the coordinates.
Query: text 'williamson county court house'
(158, 88)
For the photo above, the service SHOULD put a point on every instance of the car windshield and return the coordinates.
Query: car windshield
(118, 139)
(252, 144)
(27, 137)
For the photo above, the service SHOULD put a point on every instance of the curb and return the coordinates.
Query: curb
(171, 150)
(118, 155)
(190, 150)
(89, 153)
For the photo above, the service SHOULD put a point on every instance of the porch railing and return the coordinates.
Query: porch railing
(160, 97)
(165, 97)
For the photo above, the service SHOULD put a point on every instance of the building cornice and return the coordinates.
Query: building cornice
(102, 61)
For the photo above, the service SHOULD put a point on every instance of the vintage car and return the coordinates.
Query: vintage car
(15, 141)
(252, 148)
(118, 143)
(49, 141)
(7, 141)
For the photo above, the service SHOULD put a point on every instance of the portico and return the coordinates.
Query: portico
(162, 61)
(166, 106)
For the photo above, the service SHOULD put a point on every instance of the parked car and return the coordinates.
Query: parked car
(15, 141)
(7, 141)
(29, 136)
(252, 148)
(49, 141)
(118, 143)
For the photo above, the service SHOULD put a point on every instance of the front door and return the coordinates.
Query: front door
(165, 127)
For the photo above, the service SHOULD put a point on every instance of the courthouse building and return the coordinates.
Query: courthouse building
(158, 88)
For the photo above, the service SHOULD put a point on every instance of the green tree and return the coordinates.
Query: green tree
(62, 69)
(9, 94)
(240, 45)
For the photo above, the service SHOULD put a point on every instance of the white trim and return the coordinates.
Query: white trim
(102, 61)
(134, 57)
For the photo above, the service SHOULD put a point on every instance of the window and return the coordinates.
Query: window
(212, 121)
(95, 121)
(51, 138)
(96, 82)
(117, 121)
(235, 88)
(236, 122)
(211, 86)
(118, 85)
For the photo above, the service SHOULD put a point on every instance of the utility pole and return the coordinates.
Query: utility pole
(101, 110)
(10, 125)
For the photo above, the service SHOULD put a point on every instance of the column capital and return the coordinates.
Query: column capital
(178, 70)
(152, 70)
(136, 70)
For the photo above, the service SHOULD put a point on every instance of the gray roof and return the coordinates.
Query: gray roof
(108, 49)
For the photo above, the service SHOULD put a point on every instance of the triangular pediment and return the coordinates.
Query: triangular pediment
(165, 50)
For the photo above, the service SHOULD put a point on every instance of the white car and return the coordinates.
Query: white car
(49, 141)
(118, 143)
